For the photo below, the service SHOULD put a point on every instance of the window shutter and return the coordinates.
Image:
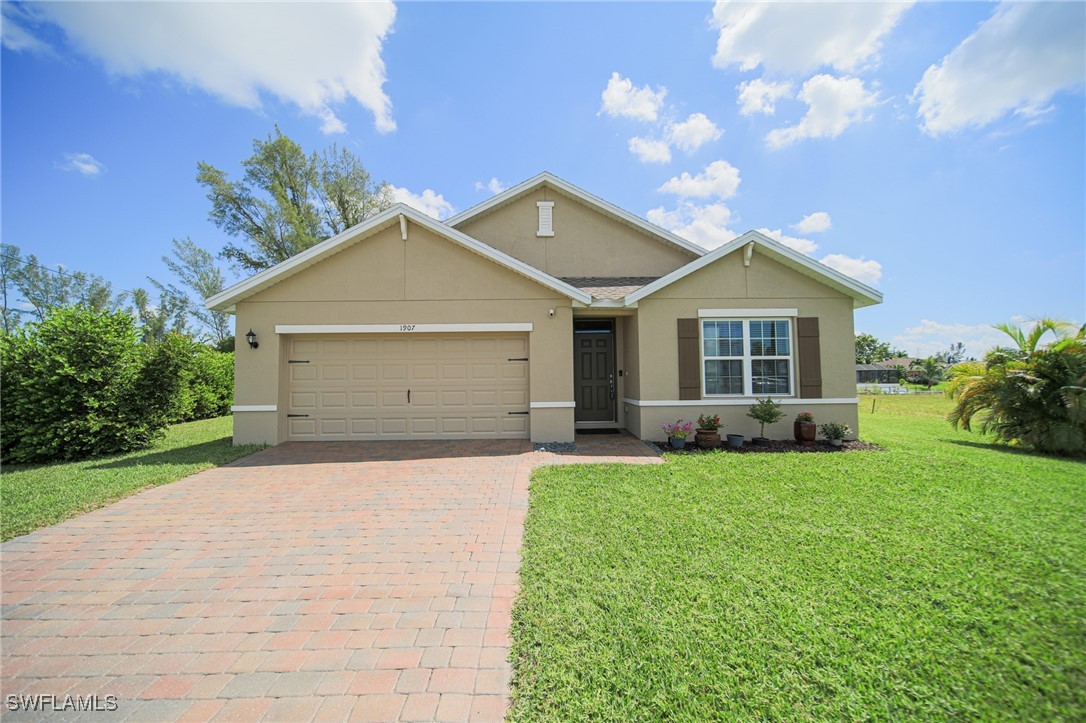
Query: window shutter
(546, 218)
(810, 357)
(689, 359)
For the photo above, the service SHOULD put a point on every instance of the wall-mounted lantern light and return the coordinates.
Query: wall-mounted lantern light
(251, 338)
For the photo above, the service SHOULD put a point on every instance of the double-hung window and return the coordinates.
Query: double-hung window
(746, 357)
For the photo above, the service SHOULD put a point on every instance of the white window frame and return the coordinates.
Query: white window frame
(747, 357)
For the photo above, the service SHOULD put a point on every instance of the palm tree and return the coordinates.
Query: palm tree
(931, 369)
(1036, 398)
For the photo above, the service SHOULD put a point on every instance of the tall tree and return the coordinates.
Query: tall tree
(198, 272)
(953, 355)
(156, 321)
(870, 350)
(932, 370)
(46, 289)
(288, 201)
(10, 264)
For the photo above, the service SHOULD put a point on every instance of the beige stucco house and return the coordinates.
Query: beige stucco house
(539, 312)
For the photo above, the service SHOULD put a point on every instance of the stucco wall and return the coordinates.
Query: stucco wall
(384, 280)
(729, 284)
(585, 241)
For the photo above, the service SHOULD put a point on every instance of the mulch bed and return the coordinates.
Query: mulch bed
(772, 447)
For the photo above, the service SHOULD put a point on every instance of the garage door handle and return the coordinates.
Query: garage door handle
(297, 415)
(516, 412)
(519, 358)
(297, 361)
(408, 396)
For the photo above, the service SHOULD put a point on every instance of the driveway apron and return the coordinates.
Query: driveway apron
(363, 581)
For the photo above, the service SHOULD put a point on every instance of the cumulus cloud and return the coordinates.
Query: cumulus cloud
(800, 37)
(621, 98)
(833, 105)
(816, 222)
(15, 33)
(493, 185)
(720, 179)
(804, 246)
(705, 225)
(650, 151)
(235, 51)
(1016, 61)
(429, 202)
(83, 163)
(931, 337)
(694, 132)
(867, 271)
(760, 96)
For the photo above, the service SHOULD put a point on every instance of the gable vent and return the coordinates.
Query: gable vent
(546, 218)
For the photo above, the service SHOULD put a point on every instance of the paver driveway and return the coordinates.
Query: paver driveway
(368, 581)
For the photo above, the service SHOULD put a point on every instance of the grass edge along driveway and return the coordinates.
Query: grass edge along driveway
(944, 577)
(35, 496)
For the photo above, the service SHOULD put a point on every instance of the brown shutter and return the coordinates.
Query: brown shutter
(810, 357)
(689, 359)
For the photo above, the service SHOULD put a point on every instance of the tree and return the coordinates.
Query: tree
(197, 271)
(954, 354)
(1035, 396)
(932, 370)
(10, 264)
(870, 350)
(168, 317)
(46, 289)
(288, 201)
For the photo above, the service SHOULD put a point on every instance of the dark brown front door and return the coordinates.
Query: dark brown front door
(594, 374)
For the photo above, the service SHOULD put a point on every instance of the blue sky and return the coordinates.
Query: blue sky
(936, 151)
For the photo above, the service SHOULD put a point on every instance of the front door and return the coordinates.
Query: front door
(594, 371)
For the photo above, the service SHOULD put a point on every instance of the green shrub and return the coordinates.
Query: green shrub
(79, 385)
(207, 385)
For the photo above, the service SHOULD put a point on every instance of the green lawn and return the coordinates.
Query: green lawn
(941, 578)
(33, 496)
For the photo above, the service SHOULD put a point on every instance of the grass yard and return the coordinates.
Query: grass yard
(33, 496)
(942, 578)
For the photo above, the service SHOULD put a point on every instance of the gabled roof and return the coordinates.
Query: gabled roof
(862, 294)
(605, 207)
(225, 300)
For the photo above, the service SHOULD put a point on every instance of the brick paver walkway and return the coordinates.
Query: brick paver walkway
(363, 581)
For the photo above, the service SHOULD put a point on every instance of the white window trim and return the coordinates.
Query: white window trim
(734, 402)
(747, 358)
(737, 314)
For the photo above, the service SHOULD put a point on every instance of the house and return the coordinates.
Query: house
(881, 373)
(539, 312)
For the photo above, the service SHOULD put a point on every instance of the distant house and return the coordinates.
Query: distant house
(876, 374)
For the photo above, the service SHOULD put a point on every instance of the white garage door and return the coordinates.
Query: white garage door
(407, 386)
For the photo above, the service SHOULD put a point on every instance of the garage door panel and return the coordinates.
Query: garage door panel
(356, 387)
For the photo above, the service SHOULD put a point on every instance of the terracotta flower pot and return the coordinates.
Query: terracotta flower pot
(707, 438)
(805, 432)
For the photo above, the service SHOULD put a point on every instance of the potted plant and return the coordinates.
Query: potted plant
(765, 411)
(708, 436)
(835, 432)
(677, 432)
(804, 429)
(735, 441)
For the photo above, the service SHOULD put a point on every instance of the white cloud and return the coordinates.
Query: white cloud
(867, 271)
(804, 246)
(720, 179)
(14, 34)
(759, 96)
(621, 98)
(705, 225)
(429, 202)
(816, 222)
(83, 163)
(799, 37)
(694, 132)
(650, 151)
(313, 55)
(493, 185)
(833, 105)
(1016, 61)
(931, 337)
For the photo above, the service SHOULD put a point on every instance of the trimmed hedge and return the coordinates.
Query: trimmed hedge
(79, 384)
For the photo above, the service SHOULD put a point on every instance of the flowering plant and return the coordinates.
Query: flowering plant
(835, 430)
(678, 429)
(710, 423)
(804, 417)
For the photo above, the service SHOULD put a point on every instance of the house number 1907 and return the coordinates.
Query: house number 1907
(407, 327)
